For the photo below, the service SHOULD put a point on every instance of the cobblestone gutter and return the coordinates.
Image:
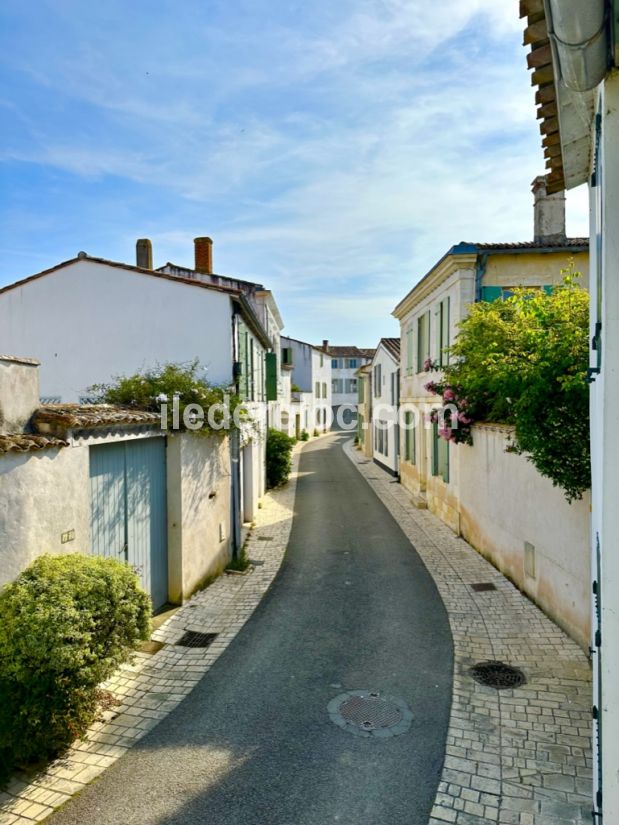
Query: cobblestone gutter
(517, 756)
(151, 687)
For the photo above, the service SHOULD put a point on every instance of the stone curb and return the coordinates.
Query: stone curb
(516, 756)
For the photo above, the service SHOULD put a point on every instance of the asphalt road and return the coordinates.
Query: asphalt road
(352, 608)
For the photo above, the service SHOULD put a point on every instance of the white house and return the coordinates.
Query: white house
(575, 60)
(310, 377)
(345, 361)
(89, 320)
(482, 492)
(109, 481)
(385, 390)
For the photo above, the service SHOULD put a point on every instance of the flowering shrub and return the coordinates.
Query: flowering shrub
(523, 361)
(452, 418)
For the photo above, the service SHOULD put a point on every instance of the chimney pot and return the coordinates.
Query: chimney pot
(203, 255)
(549, 212)
(144, 253)
(325, 344)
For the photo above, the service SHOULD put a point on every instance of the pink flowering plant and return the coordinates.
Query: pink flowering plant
(454, 418)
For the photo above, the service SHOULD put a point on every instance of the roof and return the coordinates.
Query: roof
(63, 417)
(14, 359)
(81, 258)
(348, 352)
(304, 343)
(392, 345)
(564, 115)
(27, 442)
(368, 352)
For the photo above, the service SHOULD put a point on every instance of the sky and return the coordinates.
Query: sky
(333, 151)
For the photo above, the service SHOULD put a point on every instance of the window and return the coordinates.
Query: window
(409, 350)
(317, 389)
(409, 438)
(394, 388)
(378, 380)
(351, 385)
(351, 363)
(324, 390)
(337, 385)
(423, 340)
(334, 363)
(442, 332)
(322, 359)
(287, 355)
(440, 455)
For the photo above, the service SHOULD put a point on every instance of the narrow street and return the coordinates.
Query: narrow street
(353, 608)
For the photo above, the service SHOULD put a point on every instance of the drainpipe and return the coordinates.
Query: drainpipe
(480, 271)
(580, 41)
(235, 455)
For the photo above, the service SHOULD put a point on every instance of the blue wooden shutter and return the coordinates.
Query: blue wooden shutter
(491, 293)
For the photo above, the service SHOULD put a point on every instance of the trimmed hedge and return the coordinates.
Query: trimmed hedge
(278, 458)
(66, 624)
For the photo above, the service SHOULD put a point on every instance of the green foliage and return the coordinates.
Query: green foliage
(66, 624)
(278, 457)
(147, 390)
(523, 361)
(304, 436)
(316, 432)
(295, 388)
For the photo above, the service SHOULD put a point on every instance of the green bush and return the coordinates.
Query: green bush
(316, 433)
(66, 624)
(278, 458)
(304, 436)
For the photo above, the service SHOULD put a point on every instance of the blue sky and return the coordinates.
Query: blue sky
(333, 151)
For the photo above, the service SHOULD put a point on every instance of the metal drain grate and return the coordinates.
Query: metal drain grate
(481, 587)
(498, 675)
(367, 713)
(193, 639)
(265, 538)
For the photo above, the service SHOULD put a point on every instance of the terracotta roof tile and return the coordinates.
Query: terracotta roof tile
(62, 417)
(392, 345)
(27, 442)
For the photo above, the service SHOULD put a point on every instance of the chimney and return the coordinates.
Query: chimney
(549, 212)
(325, 344)
(144, 253)
(204, 255)
(19, 392)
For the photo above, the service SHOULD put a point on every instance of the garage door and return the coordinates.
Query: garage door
(128, 511)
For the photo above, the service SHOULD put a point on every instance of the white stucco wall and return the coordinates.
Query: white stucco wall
(384, 409)
(42, 495)
(505, 502)
(199, 488)
(89, 321)
(19, 393)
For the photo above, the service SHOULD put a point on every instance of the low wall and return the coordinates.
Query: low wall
(505, 506)
(43, 495)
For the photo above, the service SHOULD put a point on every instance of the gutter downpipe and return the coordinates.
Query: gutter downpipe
(580, 41)
(235, 455)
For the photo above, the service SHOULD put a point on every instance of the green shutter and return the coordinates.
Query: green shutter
(243, 379)
(491, 293)
(409, 350)
(445, 306)
(548, 289)
(271, 382)
(435, 438)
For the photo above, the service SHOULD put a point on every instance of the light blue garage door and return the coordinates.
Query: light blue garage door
(129, 504)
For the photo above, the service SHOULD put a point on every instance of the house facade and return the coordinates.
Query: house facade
(310, 376)
(365, 441)
(345, 361)
(159, 316)
(574, 57)
(450, 479)
(385, 392)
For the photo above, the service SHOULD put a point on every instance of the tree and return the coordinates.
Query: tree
(523, 361)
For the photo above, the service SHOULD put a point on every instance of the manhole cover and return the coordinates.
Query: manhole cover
(481, 587)
(498, 675)
(193, 639)
(370, 713)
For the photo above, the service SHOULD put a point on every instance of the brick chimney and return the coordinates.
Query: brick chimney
(325, 344)
(144, 253)
(203, 255)
(549, 212)
(19, 392)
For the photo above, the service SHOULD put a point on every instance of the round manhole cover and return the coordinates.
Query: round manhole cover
(369, 713)
(497, 675)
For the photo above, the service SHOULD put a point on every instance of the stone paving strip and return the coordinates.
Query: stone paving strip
(514, 756)
(151, 686)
